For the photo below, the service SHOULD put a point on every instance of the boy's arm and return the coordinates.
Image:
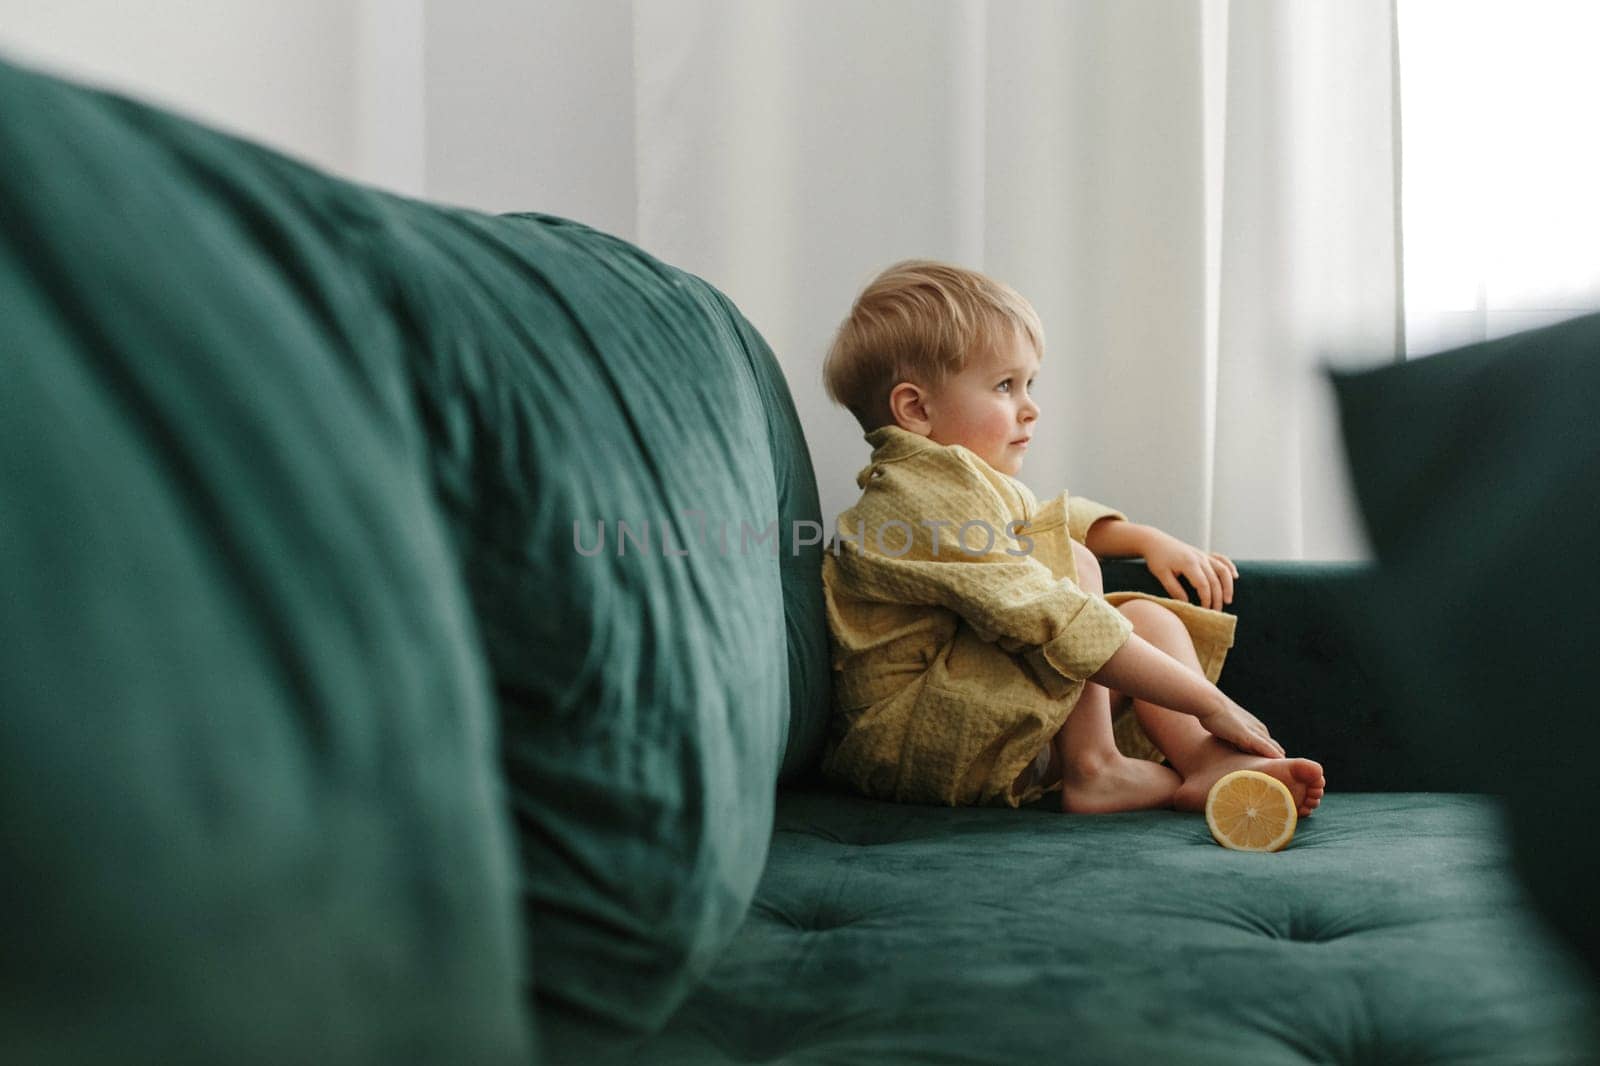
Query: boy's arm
(1110, 536)
(1011, 599)
(1210, 573)
(1078, 634)
(1006, 594)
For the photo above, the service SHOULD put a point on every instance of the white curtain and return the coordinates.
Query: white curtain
(1198, 195)
(1200, 198)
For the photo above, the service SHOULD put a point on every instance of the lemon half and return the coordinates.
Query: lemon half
(1248, 810)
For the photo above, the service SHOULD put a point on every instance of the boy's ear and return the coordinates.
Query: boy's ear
(908, 405)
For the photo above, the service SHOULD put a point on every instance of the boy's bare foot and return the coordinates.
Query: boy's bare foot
(1122, 784)
(1303, 776)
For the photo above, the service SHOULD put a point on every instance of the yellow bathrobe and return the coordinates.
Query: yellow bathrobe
(956, 661)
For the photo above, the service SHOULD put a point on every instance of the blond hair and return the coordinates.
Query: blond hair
(920, 320)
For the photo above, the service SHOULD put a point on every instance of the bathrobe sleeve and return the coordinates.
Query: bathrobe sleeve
(1082, 513)
(939, 504)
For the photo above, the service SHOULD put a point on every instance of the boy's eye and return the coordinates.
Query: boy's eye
(1005, 385)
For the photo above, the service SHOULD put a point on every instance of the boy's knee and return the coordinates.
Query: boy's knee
(1151, 619)
(1089, 578)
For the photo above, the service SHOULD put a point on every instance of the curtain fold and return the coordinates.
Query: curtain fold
(1307, 272)
(1199, 198)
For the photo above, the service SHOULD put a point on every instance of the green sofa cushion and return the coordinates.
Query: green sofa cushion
(1299, 664)
(1391, 930)
(247, 758)
(1478, 474)
(572, 384)
(334, 443)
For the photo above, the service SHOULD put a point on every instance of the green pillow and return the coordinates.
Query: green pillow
(247, 748)
(572, 384)
(354, 367)
(1478, 474)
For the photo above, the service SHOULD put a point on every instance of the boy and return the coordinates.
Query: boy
(977, 659)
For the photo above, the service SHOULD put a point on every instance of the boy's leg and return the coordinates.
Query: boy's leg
(1086, 743)
(1095, 776)
(1194, 753)
(1086, 740)
(1181, 737)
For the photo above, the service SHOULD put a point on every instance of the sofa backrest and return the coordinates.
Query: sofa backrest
(322, 740)
(604, 428)
(1476, 472)
(246, 744)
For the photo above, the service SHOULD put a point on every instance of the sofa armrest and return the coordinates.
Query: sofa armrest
(1297, 664)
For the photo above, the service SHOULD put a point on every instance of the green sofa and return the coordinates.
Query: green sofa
(332, 731)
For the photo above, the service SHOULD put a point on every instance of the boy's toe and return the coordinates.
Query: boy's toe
(1307, 772)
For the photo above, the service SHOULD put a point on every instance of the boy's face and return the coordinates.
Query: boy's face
(985, 408)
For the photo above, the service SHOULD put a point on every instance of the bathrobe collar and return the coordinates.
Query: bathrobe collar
(890, 443)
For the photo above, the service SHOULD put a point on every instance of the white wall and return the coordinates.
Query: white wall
(530, 108)
(501, 105)
(308, 77)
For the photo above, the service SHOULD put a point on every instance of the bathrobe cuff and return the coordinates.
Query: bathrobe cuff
(1092, 636)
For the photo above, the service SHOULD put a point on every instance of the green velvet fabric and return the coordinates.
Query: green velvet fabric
(577, 392)
(1392, 929)
(402, 427)
(1478, 473)
(1300, 663)
(247, 761)
(1389, 931)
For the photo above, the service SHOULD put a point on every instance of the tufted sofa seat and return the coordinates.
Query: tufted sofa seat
(1389, 932)
(1392, 930)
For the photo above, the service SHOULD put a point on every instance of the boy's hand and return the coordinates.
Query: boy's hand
(1211, 575)
(1242, 729)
